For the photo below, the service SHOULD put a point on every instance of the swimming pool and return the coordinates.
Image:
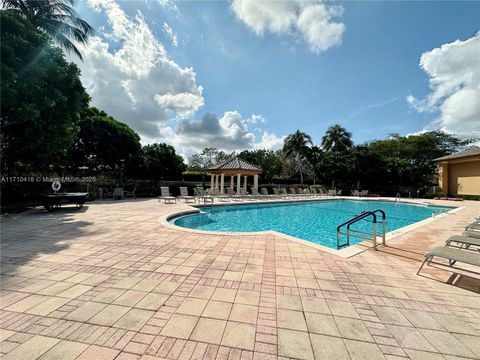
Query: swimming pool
(314, 221)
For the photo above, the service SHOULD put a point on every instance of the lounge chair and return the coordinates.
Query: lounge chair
(473, 234)
(293, 193)
(338, 193)
(257, 195)
(283, 193)
(233, 195)
(355, 193)
(223, 197)
(464, 242)
(307, 192)
(130, 193)
(264, 192)
(452, 255)
(245, 195)
(201, 195)
(165, 196)
(331, 193)
(184, 195)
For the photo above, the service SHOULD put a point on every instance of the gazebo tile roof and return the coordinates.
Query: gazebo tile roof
(234, 164)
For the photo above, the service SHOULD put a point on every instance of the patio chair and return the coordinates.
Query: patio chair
(201, 195)
(257, 195)
(293, 193)
(464, 242)
(165, 196)
(339, 192)
(118, 194)
(452, 255)
(307, 192)
(131, 193)
(264, 192)
(355, 193)
(233, 195)
(246, 195)
(184, 195)
(331, 192)
(283, 193)
(223, 197)
(473, 234)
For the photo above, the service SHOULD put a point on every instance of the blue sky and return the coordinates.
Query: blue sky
(362, 81)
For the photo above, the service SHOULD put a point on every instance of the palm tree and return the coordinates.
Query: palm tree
(315, 158)
(55, 18)
(296, 146)
(337, 139)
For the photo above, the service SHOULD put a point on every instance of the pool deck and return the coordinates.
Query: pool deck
(113, 281)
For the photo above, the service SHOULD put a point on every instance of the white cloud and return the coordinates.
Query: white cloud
(133, 79)
(454, 80)
(230, 132)
(313, 21)
(170, 34)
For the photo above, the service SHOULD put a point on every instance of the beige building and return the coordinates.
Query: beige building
(459, 174)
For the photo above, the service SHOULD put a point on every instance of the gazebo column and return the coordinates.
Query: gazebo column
(221, 183)
(255, 182)
(216, 181)
(245, 183)
(212, 182)
(239, 182)
(232, 182)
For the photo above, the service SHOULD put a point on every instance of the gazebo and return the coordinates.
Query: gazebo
(233, 167)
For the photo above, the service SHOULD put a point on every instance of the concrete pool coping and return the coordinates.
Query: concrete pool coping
(344, 252)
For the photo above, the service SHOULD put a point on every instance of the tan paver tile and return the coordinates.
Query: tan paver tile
(328, 347)
(471, 341)
(109, 295)
(421, 319)
(79, 277)
(166, 287)
(62, 275)
(56, 288)
(64, 350)
(390, 315)
(455, 324)
(134, 319)
(321, 324)
(109, 315)
(410, 338)
(146, 285)
(360, 350)
(289, 302)
(192, 306)
(209, 330)
(294, 344)
(222, 294)
(32, 348)
(95, 279)
(5, 334)
(244, 313)
(423, 355)
(239, 335)
(353, 329)
(317, 305)
(27, 303)
(202, 292)
(179, 326)
(290, 319)
(342, 308)
(127, 283)
(130, 298)
(217, 310)
(247, 297)
(37, 286)
(95, 352)
(75, 291)
(85, 311)
(47, 306)
(445, 343)
(152, 301)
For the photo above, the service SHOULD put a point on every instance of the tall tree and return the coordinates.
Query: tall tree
(162, 162)
(296, 146)
(104, 144)
(57, 19)
(269, 161)
(337, 139)
(41, 100)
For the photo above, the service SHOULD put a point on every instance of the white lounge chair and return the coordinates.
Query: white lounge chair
(184, 195)
(165, 196)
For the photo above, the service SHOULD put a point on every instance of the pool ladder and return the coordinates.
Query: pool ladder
(362, 234)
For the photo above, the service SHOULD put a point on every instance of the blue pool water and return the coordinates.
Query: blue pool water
(315, 221)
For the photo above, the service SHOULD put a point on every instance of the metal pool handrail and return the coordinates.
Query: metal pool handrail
(372, 235)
